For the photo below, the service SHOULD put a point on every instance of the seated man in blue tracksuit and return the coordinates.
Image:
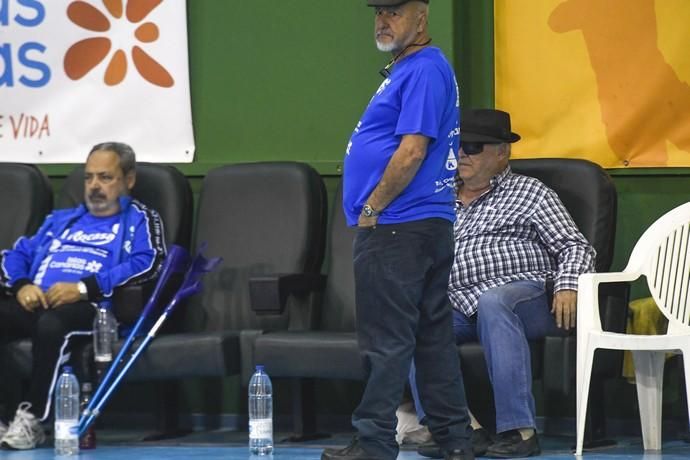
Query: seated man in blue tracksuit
(54, 278)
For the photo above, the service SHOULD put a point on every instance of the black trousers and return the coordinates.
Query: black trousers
(49, 331)
(403, 311)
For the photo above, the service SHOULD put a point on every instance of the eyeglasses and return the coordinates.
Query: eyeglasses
(474, 148)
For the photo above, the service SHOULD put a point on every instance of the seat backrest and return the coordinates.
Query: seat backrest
(25, 198)
(160, 187)
(662, 254)
(338, 307)
(588, 194)
(262, 219)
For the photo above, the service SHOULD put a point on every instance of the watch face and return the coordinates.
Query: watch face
(367, 211)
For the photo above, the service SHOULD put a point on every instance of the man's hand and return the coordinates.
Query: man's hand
(564, 308)
(367, 221)
(31, 297)
(62, 293)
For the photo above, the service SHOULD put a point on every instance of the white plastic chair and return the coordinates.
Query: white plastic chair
(662, 255)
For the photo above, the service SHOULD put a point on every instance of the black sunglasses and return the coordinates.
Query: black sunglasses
(474, 148)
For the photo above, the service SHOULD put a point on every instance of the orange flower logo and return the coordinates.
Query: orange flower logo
(86, 54)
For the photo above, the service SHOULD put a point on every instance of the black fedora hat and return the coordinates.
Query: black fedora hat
(486, 125)
(390, 2)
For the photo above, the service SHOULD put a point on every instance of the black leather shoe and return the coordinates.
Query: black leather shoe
(511, 445)
(481, 439)
(430, 450)
(458, 454)
(352, 452)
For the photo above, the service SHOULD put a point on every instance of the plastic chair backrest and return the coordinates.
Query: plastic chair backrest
(662, 254)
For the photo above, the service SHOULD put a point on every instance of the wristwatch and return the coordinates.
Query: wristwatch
(368, 211)
(83, 292)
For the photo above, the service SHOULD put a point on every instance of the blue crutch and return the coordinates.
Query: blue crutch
(176, 261)
(190, 286)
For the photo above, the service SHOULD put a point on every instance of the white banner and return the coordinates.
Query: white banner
(75, 73)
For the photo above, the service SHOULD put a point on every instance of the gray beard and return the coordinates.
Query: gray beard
(385, 47)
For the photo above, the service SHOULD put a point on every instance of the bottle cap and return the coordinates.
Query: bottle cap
(67, 369)
(259, 367)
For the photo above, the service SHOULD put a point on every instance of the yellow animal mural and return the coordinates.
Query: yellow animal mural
(607, 55)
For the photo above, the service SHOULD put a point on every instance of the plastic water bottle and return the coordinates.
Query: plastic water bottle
(67, 413)
(104, 335)
(88, 439)
(260, 413)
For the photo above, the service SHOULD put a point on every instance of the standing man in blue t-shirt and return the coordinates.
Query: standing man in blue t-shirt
(400, 165)
(75, 260)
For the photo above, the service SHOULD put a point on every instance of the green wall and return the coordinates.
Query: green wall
(285, 80)
(288, 79)
(474, 52)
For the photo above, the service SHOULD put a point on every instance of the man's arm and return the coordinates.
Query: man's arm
(140, 263)
(60, 294)
(564, 308)
(30, 297)
(15, 268)
(401, 169)
(572, 252)
(15, 271)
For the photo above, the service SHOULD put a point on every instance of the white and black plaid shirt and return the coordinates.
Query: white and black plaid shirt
(518, 230)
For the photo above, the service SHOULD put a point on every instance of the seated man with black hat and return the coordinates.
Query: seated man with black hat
(512, 235)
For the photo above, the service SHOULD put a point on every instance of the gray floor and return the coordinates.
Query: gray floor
(230, 445)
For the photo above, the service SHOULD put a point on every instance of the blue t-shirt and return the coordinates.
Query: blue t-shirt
(82, 250)
(419, 97)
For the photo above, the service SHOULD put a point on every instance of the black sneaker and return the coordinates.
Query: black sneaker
(511, 445)
(352, 452)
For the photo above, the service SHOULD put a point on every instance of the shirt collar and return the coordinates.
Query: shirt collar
(499, 178)
(495, 181)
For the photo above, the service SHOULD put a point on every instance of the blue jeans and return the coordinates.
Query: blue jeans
(507, 317)
(401, 282)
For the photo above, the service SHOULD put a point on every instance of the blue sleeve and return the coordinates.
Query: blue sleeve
(16, 263)
(141, 258)
(424, 100)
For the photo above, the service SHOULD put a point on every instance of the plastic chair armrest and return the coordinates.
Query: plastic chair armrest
(607, 277)
(268, 294)
(588, 308)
